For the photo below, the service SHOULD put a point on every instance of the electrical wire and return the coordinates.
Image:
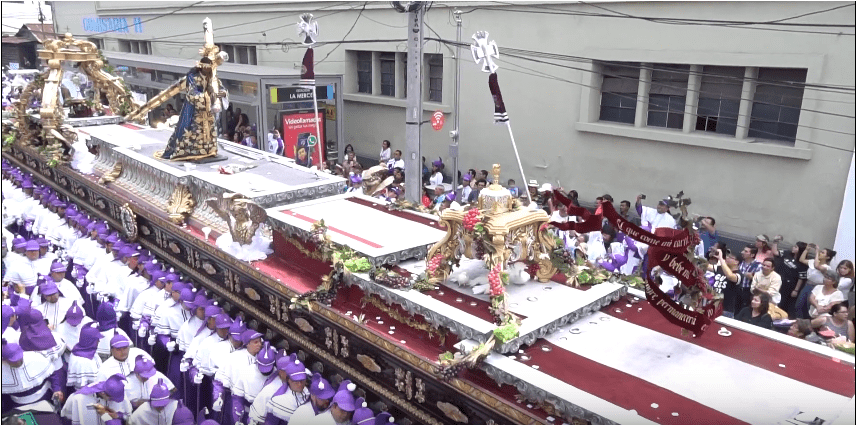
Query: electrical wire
(150, 19)
(676, 21)
(346, 34)
(386, 25)
(548, 76)
(806, 86)
(685, 21)
(666, 85)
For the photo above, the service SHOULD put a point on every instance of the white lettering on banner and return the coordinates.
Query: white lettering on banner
(294, 121)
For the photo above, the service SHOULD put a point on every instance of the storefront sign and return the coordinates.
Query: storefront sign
(300, 94)
(117, 25)
(299, 133)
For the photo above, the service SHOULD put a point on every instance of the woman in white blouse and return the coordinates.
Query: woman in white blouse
(385, 151)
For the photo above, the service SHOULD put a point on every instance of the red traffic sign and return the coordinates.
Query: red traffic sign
(437, 120)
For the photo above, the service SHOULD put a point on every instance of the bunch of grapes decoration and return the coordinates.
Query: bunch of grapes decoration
(434, 265)
(473, 224)
(498, 279)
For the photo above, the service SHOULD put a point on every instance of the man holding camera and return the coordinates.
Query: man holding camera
(655, 218)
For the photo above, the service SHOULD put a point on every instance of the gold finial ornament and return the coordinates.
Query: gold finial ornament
(496, 172)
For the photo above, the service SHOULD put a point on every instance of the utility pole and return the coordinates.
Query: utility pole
(414, 110)
(456, 133)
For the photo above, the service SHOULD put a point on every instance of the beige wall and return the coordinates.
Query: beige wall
(749, 187)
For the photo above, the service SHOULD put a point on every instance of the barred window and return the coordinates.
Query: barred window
(364, 72)
(619, 92)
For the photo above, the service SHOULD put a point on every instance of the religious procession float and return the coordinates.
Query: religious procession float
(476, 316)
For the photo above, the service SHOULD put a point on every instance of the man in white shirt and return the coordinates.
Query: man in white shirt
(396, 161)
(655, 218)
(279, 399)
(560, 215)
(318, 410)
(122, 358)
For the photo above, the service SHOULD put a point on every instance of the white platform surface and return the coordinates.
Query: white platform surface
(540, 303)
(392, 233)
(733, 387)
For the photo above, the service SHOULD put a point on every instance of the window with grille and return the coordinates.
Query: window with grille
(435, 69)
(364, 72)
(667, 96)
(135, 46)
(719, 99)
(388, 74)
(776, 104)
(239, 54)
(619, 92)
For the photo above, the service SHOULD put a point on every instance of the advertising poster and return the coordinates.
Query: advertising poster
(300, 137)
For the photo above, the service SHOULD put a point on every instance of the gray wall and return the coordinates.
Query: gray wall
(750, 186)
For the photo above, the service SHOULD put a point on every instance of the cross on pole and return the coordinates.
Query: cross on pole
(484, 50)
(308, 29)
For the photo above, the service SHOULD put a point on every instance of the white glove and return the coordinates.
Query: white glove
(218, 404)
(141, 332)
(74, 274)
(135, 324)
(90, 289)
(198, 378)
(171, 346)
(119, 315)
(185, 365)
(152, 339)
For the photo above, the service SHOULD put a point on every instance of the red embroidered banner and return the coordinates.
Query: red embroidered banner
(666, 250)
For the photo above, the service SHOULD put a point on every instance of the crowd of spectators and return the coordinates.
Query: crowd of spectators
(98, 330)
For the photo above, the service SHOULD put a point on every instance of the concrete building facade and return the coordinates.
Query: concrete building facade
(755, 122)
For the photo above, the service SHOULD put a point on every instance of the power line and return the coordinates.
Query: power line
(150, 19)
(806, 86)
(629, 97)
(548, 76)
(684, 21)
(597, 15)
(346, 34)
(258, 21)
(636, 79)
(681, 21)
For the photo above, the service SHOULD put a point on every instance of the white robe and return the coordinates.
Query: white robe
(285, 406)
(137, 307)
(305, 415)
(656, 220)
(209, 346)
(11, 335)
(198, 339)
(22, 272)
(229, 366)
(170, 319)
(35, 372)
(187, 332)
(54, 313)
(125, 368)
(148, 415)
(137, 390)
(134, 284)
(259, 407)
(83, 371)
(248, 382)
(76, 409)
